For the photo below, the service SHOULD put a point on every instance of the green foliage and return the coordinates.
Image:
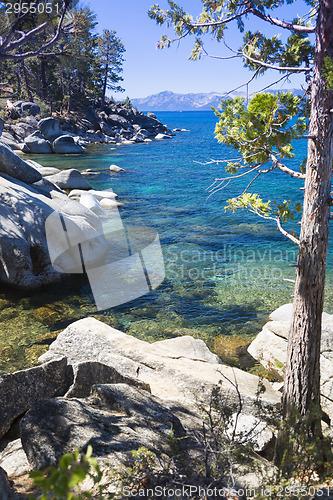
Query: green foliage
(110, 52)
(85, 64)
(60, 483)
(294, 53)
(251, 202)
(255, 204)
(262, 128)
(127, 103)
(328, 73)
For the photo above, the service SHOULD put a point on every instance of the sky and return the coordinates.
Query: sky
(148, 70)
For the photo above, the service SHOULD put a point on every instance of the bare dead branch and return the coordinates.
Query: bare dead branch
(286, 169)
(285, 233)
(278, 68)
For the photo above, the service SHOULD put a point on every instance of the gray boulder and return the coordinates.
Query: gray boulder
(19, 391)
(69, 179)
(65, 144)
(31, 120)
(37, 144)
(13, 459)
(22, 130)
(181, 370)
(90, 373)
(30, 108)
(50, 128)
(106, 129)
(118, 121)
(44, 171)
(115, 420)
(160, 137)
(2, 123)
(24, 253)
(11, 164)
(9, 140)
(270, 349)
(6, 491)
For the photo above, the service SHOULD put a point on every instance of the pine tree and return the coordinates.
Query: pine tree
(110, 52)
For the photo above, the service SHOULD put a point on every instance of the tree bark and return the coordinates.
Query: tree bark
(26, 82)
(106, 73)
(302, 376)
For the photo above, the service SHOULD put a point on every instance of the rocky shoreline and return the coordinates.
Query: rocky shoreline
(94, 375)
(102, 124)
(97, 385)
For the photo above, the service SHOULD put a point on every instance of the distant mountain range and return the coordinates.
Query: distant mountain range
(169, 101)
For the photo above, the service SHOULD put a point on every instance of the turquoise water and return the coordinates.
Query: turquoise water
(224, 272)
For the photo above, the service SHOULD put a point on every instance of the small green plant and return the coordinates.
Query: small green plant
(127, 103)
(62, 482)
(139, 470)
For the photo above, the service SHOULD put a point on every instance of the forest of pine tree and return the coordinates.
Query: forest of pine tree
(79, 67)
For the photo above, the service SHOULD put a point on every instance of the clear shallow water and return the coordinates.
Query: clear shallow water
(224, 272)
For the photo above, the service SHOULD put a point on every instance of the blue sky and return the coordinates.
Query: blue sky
(149, 71)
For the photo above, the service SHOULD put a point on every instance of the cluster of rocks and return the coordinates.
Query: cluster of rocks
(97, 385)
(270, 349)
(29, 194)
(112, 124)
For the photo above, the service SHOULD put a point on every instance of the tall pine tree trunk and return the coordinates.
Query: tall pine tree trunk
(26, 81)
(302, 377)
(106, 73)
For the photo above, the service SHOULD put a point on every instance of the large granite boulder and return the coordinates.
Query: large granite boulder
(114, 420)
(9, 140)
(50, 128)
(19, 391)
(270, 349)
(11, 164)
(69, 179)
(180, 370)
(37, 144)
(65, 144)
(106, 129)
(22, 130)
(118, 121)
(24, 253)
